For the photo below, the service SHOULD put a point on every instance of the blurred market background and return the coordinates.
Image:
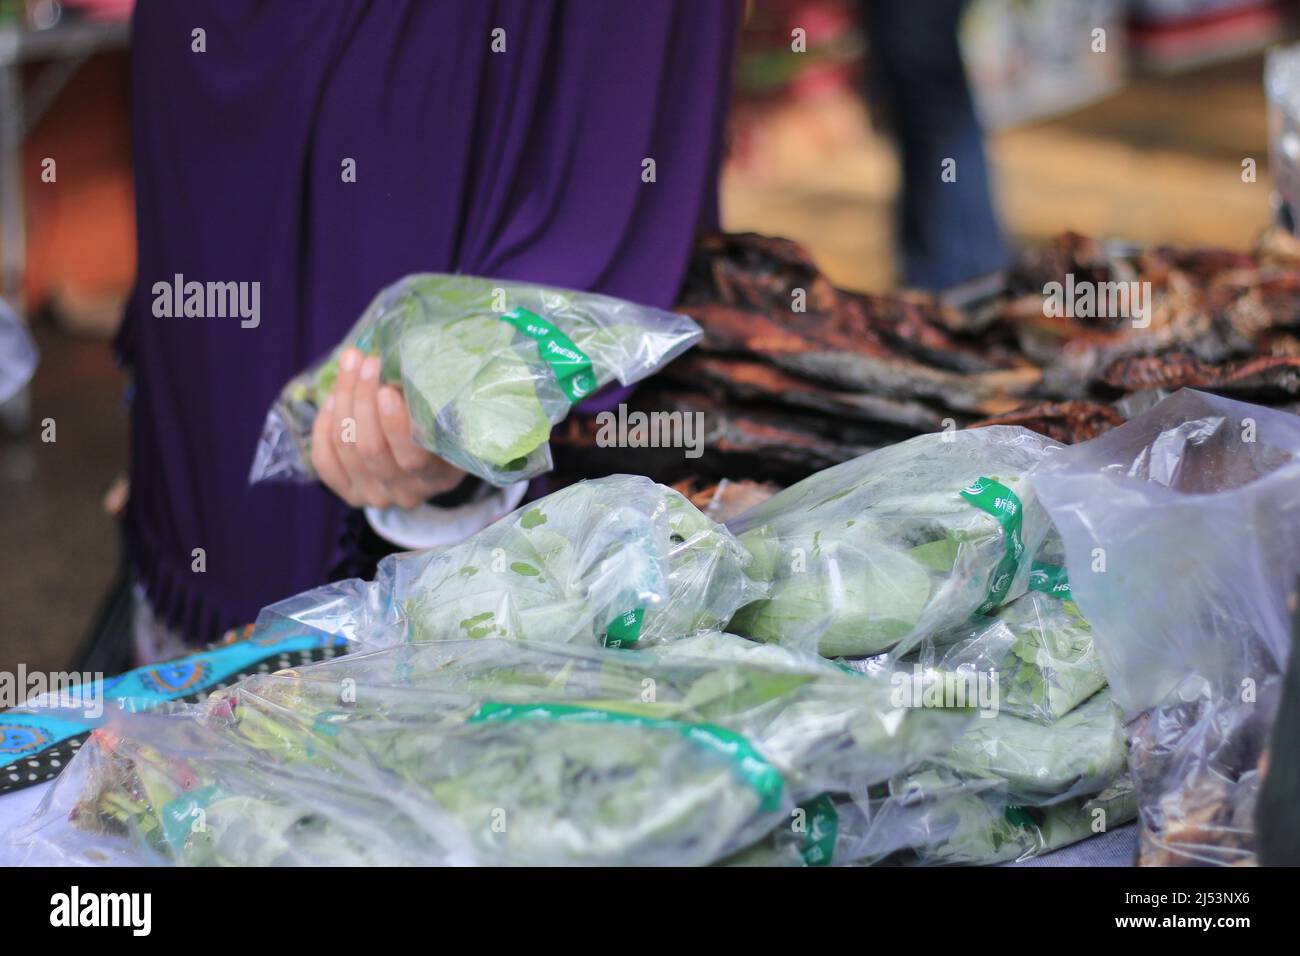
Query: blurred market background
(1144, 141)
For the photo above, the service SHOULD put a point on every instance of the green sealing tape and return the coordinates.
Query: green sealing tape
(1020, 817)
(625, 630)
(572, 369)
(752, 766)
(823, 826)
(1050, 579)
(999, 501)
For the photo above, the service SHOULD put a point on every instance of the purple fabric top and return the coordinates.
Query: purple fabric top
(524, 164)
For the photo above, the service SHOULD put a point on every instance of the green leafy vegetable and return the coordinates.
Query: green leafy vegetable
(1040, 648)
(897, 545)
(617, 560)
(487, 368)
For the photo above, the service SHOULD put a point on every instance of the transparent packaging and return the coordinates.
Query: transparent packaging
(933, 817)
(486, 366)
(1037, 764)
(898, 545)
(618, 561)
(1182, 538)
(483, 752)
(1039, 648)
(961, 827)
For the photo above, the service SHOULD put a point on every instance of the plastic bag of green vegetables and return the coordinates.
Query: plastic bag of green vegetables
(897, 545)
(1034, 763)
(487, 752)
(620, 561)
(487, 367)
(984, 828)
(1038, 646)
(1008, 789)
(961, 827)
(1039, 764)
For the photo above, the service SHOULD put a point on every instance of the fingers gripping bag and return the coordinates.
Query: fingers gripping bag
(483, 752)
(619, 561)
(897, 545)
(1182, 539)
(486, 366)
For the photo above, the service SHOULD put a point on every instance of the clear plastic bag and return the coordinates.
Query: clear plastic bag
(933, 821)
(1182, 537)
(900, 544)
(1039, 647)
(1037, 764)
(619, 561)
(485, 752)
(938, 828)
(1199, 765)
(486, 366)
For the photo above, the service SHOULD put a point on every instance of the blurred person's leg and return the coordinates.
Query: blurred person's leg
(949, 230)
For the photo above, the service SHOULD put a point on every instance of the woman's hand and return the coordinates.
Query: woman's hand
(361, 443)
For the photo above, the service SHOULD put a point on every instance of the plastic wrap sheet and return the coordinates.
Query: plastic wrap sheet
(487, 367)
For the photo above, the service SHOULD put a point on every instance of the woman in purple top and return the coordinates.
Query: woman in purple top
(313, 153)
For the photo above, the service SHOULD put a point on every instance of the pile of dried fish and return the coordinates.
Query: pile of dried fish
(794, 374)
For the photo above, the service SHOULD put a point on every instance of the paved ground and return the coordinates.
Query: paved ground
(1158, 161)
(58, 548)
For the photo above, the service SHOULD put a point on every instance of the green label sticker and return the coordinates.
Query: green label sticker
(625, 629)
(999, 501)
(823, 826)
(572, 369)
(1050, 579)
(751, 766)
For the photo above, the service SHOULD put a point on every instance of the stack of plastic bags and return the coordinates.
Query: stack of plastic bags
(559, 689)
(1042, 766)
(490, 752)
